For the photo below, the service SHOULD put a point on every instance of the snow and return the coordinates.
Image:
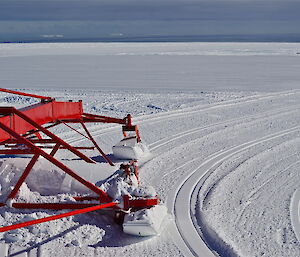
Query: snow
(121, 184)
(130, 149)
(294, 212)
(168, 66)
(144, 49)
(224, 140)
(146, 222)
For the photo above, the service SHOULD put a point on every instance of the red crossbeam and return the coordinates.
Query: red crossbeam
(42, 113)
(54, 206)
(35, 141)
(52, 136)
(25, 94)
(20, 132)
(15, 190)
(16, 151)
(139, 203)
(21, 117)
(86, 198)
(96, 145)
(55, 217)
(103, 119)
(76, 147)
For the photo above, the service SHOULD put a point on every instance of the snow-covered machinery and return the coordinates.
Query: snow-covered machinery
(26, 131)
(130, 147)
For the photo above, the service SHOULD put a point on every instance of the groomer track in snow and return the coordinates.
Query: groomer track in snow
(218, 161)
(221, 120)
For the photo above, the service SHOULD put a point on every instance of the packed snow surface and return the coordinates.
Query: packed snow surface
(148, 66)
(225, 153)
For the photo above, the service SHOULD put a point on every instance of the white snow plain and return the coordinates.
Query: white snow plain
(224, 133)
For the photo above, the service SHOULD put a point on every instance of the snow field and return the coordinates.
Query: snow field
(203, 130)
(225, 157)
(144, 49)
(167, 66)
(40, 186)
(262, 124)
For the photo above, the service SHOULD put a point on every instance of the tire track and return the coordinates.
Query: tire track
(156, 144)
(192, 131)
(295, 213)
(181, 112)
(183, 200)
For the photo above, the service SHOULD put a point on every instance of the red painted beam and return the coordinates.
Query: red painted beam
(54, 206)
(35, 141)
(96, 145)
(104, 119)
(55, 217)
(52, 136)
(138, 203)
(104, 196)
(76, 147)
(55, 149)
(28, 133)
(42, 113)
(25, 94)
(143, 203)
(75, 129)
(16, 151)
(86, 198)
(24, 175)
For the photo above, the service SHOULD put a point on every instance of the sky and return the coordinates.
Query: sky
(141, 20)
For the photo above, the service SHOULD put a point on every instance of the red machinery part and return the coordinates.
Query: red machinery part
(50, 158)
(23, 127)
(41, 113)
(139, 203)
(25, 94)
(55, 217)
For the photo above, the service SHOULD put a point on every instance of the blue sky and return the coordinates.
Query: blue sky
(26, 20)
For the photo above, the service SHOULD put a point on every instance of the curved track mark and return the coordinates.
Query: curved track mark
(183, 201)
(295, 213)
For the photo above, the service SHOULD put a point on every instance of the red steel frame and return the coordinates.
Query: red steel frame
(25, 94)
(55, 217)
(23, 127)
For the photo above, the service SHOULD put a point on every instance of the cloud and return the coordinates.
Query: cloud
(86, 19)
(148, 10)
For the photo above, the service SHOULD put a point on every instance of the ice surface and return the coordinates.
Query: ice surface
(181, 66)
